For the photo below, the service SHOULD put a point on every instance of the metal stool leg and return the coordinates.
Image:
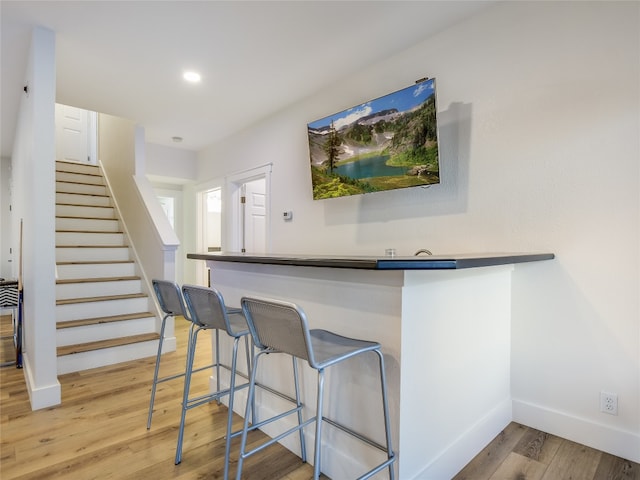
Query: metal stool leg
(250, 354)
(232, 385)
(155, 373)
(218, 363)
(385, 409)
(193, 336)
(303, 448)
(318, 439)
(248, 408)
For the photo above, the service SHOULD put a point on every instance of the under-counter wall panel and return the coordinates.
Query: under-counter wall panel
(446, 340)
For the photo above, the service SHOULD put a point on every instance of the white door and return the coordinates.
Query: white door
(255, 219)
(75, 134)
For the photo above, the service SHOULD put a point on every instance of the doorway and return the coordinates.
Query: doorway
(76, 134)
(208, 227)
(234, 215)
(253, 216)
(213, 220)
(248, 210)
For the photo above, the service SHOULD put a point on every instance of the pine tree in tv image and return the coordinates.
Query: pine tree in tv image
(387, 143)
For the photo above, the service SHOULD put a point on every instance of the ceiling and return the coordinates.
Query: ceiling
(126, 58)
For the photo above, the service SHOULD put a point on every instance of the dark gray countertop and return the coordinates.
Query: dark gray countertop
(424, 262)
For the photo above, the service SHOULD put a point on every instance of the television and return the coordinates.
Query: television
(387, 143)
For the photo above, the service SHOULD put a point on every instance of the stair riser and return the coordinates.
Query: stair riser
(74, 239)
(77, 168)
(109, 356)
(89, 254)
(104, 331)
(95, 270)
(65, 187)
(81, 211)
(107, 308)
(79, 178)
(83, 200)
(87, 224)
(97, 289)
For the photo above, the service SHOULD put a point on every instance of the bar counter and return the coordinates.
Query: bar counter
(428, 262)
(444, 322)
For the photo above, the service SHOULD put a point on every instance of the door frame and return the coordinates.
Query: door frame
(232, 217)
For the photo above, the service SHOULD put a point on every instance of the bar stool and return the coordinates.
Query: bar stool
(282, 327)
(171, 303)
(208, 312)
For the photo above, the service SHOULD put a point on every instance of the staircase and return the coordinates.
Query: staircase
(102, 315)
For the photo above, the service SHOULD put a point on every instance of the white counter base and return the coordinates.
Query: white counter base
(446, 340)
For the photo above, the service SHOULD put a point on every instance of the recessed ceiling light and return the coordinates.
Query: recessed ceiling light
(192, 77)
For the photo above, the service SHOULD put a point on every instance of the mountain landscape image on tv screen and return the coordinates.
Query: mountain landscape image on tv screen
(387, 143)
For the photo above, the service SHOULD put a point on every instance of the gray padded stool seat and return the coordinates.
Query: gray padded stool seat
(282, 327)
(207, 311)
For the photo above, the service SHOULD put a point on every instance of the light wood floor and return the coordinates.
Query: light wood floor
(99, 432)
(523, 453)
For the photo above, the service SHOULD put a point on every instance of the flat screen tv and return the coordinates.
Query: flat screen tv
(384, 144)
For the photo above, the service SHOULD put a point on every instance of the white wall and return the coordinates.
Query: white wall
(167, 164)
(121, 154)
(6, 253)
(539, 106)
(33, 179)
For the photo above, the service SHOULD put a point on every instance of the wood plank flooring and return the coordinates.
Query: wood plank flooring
(99, 432)
(523, 453)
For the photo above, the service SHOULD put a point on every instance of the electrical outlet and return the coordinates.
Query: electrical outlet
(609, 403)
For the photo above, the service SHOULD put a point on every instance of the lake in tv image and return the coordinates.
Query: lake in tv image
(387, 143)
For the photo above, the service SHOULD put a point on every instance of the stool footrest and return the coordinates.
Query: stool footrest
(284, 396)
(355, 434)
(170, 377)
(379, 468)
(279, 437)
(210, 397)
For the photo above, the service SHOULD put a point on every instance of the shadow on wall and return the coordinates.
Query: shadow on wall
(448, 197)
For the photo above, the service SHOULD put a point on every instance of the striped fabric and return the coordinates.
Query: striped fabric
(8, 294)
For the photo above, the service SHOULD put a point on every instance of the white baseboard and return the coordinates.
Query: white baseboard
(617, 442)
(40, 397)
(459, 453)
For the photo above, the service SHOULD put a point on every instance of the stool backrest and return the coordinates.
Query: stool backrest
(277, 325)
(169, 298)
(207, 308)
